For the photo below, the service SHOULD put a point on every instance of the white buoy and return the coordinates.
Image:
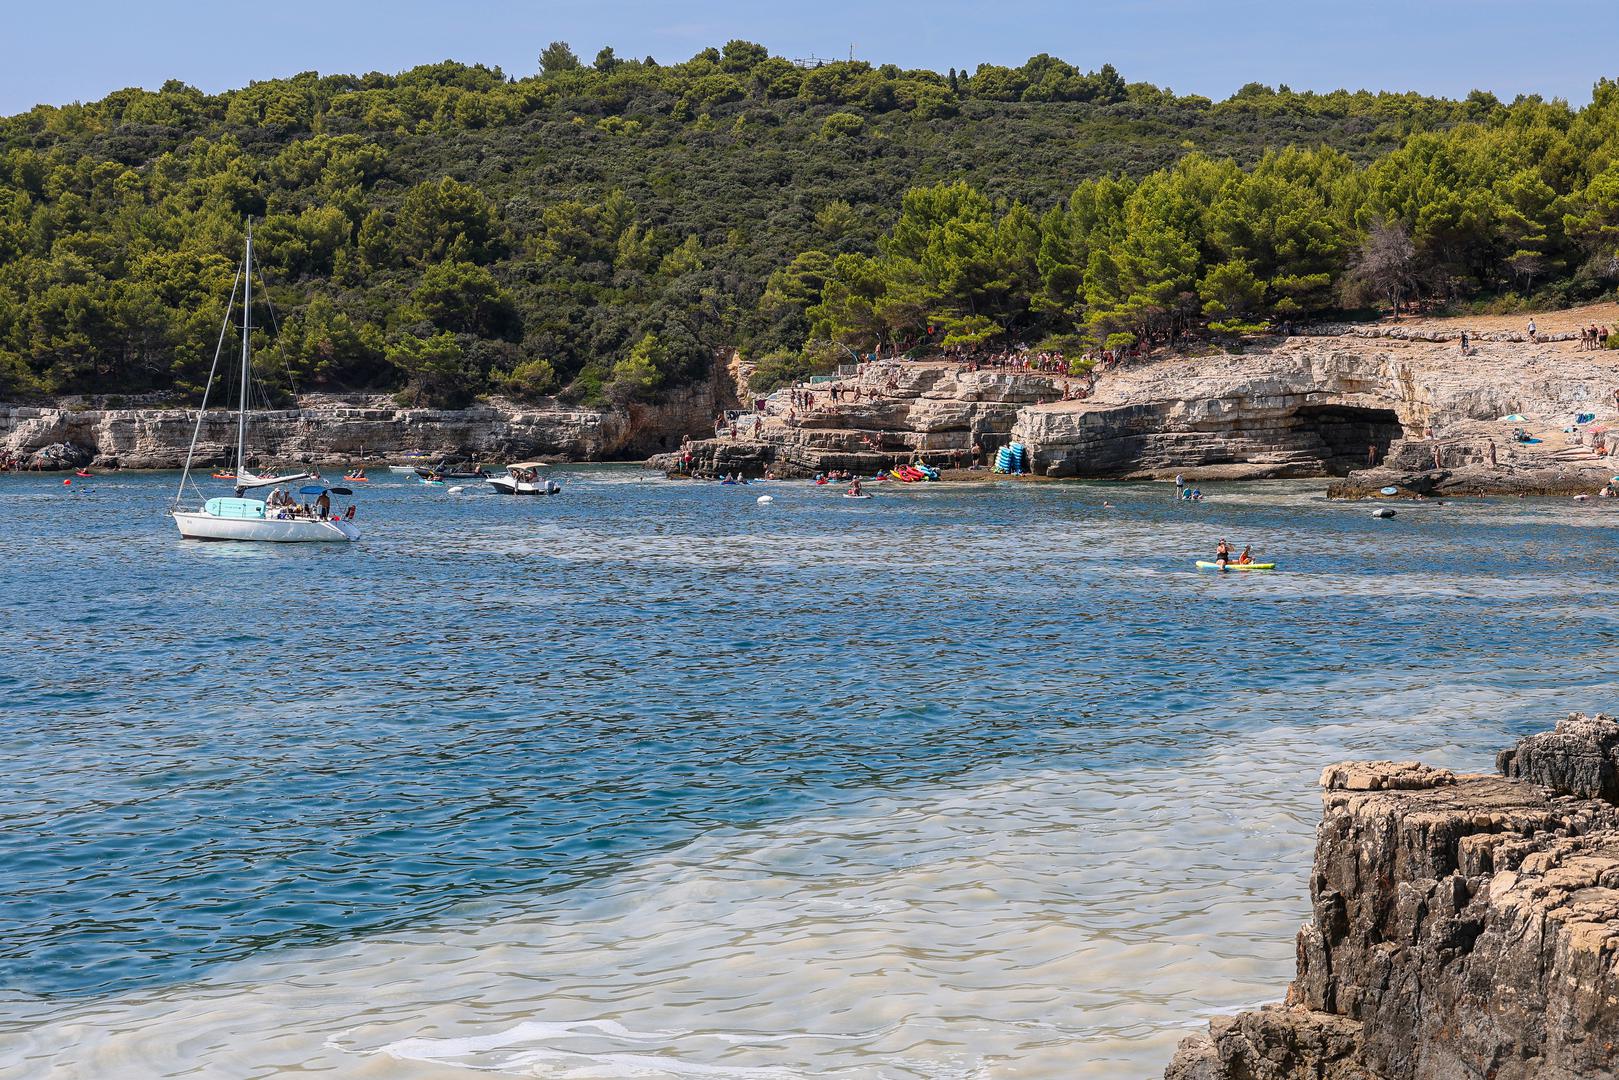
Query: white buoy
(1383, 512)
(766, 499)
(456, 490)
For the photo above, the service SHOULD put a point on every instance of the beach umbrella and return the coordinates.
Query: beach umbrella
(1514, 418)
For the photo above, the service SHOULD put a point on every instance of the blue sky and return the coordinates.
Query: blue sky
(70, 50)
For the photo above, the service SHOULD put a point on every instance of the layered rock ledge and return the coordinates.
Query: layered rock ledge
(326, 430)
(1464, 926)
(1372, 406)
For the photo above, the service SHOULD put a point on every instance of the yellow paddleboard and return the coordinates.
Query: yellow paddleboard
(1201, 565)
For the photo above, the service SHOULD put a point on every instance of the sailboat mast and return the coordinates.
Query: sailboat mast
(247, 330)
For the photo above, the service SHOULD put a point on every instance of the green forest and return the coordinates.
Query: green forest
(602, 230)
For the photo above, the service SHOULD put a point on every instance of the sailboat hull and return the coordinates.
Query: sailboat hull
(196, 525)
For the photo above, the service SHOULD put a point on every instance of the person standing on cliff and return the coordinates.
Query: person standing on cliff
(1532, 336)
(1492, 453)
(1464, 342)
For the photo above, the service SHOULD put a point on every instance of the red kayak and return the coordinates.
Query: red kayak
(81, 472)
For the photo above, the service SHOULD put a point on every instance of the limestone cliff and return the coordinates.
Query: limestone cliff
(1324, 404)
(1464, 926)
(1327, 405)
(330, 430)
(890, 412)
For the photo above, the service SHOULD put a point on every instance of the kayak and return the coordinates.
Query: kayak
(81, 472)
(1202, 565)
(358, 479)
(425, 480)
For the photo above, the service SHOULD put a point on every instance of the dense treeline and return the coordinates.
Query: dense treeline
(1528, 197)
(602, 229)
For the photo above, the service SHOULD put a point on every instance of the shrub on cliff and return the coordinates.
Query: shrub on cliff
(642, 372)
(435, 369)
(530, 380)
(781, 368)
(15, 379)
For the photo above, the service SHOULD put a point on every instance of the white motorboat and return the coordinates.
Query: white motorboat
(524, 478)
(239, 517)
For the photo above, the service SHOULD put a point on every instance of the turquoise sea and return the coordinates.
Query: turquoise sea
(650, 779)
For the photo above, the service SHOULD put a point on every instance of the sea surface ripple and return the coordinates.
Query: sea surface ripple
(978, 780)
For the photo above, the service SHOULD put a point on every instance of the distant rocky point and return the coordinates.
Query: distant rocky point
(327, 430)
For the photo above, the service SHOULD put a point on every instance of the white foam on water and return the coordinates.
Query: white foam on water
(1056, 924)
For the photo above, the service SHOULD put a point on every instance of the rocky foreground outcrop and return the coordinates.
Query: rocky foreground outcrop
(335, 431)
(1465, 927)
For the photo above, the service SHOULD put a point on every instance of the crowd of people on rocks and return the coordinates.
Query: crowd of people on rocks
(1593, 337)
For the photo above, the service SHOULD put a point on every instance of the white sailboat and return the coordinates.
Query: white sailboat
(238, 517)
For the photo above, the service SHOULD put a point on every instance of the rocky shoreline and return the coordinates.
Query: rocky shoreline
(325, 430)
(1464, 926)
(1368, 407)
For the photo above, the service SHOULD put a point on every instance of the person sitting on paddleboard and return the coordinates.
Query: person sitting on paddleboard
(1247, 555)
(1222, 554)
(854, 488)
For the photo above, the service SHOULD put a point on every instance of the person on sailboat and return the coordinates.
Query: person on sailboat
(323, 506)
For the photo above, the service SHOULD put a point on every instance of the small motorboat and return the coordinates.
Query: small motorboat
(524, 478)
(458, 471)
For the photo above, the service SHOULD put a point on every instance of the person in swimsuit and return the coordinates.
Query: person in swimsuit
(1222, 554)
(1247, 555)
(854, 488)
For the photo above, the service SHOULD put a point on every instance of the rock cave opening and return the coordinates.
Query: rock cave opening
(1349, 436)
